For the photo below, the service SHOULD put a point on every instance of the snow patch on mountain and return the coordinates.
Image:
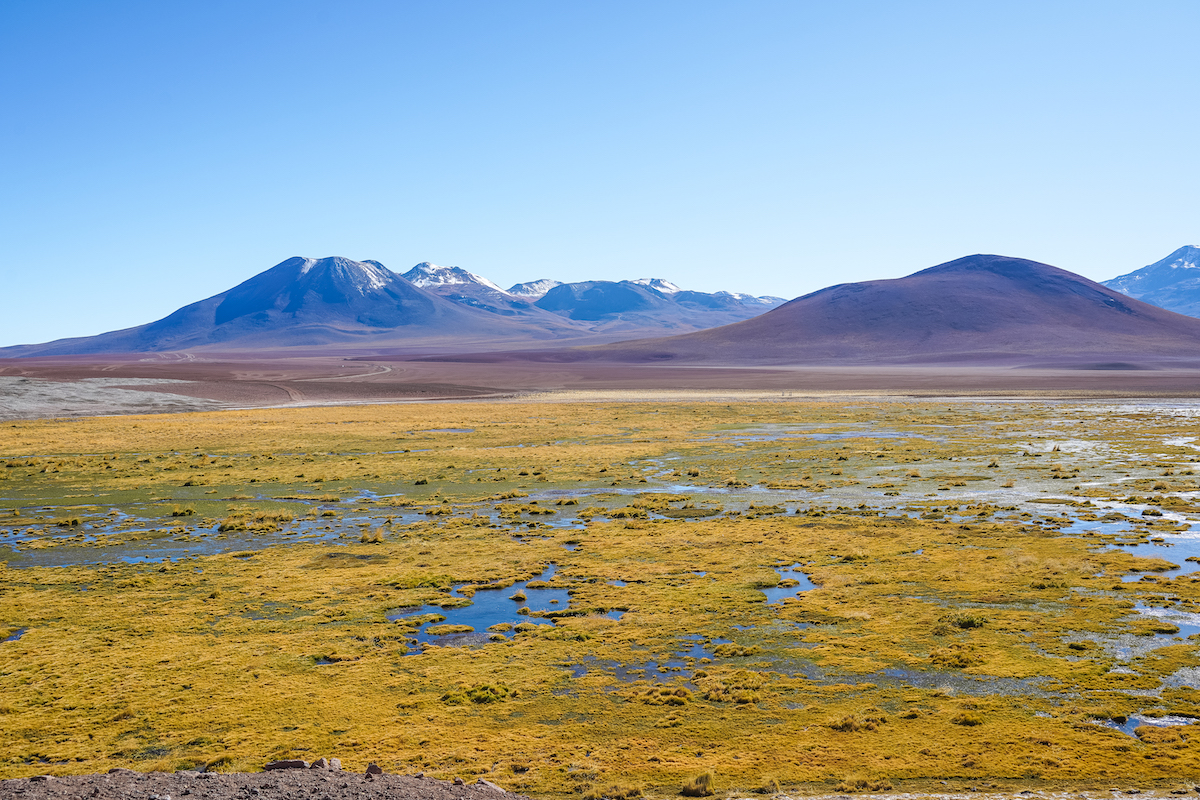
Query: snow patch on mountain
(362, 276)
(742, 297)
(533, 289)
(427, 274)
(658, 284)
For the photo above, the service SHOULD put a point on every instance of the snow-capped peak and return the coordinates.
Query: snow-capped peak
(658, 284)
(536, 288)
(362, 275)
(426, 274)
(1185, 258)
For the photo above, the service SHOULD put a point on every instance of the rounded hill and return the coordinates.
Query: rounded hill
(981, 309)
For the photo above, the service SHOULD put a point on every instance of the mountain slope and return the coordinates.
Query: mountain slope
(298, 302)
(982, 308)
(1172, 283)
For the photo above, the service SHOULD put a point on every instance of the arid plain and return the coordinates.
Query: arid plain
(575, 596)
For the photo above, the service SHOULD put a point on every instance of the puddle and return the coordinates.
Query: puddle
(1176, 547)
(679, 664)
(155, 546)
(1137, 720)
(791, 583)
(17, 634)
(490, 607)
(1187, 622)
(772, 433)
(951, 683)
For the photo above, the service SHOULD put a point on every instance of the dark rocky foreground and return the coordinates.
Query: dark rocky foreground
(282, 784)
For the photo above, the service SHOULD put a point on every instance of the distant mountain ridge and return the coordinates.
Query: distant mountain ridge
(982, 309)
(1172, 283)
(642, 303)
(336, 301)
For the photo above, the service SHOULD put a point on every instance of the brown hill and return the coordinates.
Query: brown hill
(979, 309)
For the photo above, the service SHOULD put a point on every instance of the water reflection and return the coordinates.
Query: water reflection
(1130, 724)
(791, 583)
(492, 614)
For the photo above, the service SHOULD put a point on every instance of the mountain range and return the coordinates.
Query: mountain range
(1172, 283)
(982, 309)
(645, 303)
(338, 302)
(979, 310)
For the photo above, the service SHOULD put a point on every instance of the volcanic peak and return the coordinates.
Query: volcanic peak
(426, 275)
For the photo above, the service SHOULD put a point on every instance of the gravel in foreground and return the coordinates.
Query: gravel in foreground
(290, 784)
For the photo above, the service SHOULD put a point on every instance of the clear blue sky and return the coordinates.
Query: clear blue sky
(155, 153)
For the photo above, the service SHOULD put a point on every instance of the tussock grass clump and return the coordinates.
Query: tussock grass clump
(665, 696)
(1152, 626)
(699, 786)
(480, 694)
(956, 655)
(870, 720)
(249, 520)
(734, 651)
(964, 620)
(768, 785)
(859, 783)
(220, 764)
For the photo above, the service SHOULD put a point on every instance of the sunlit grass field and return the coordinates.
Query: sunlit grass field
(987, 593)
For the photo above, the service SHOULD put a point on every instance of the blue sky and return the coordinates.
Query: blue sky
(155, 153)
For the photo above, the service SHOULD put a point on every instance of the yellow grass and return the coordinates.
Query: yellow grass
(235, 659)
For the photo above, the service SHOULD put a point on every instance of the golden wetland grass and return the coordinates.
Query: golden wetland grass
(222, 589)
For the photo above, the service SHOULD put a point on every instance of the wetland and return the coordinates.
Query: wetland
(566, 597)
